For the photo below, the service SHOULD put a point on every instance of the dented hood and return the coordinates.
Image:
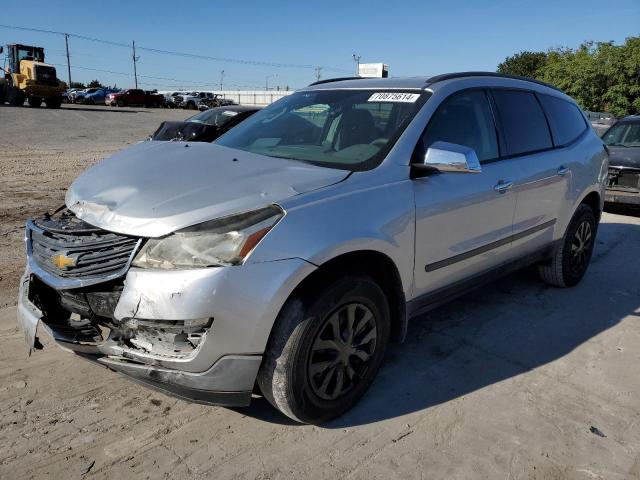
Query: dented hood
(155, 188)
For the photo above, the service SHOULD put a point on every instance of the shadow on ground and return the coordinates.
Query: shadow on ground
(496, 332)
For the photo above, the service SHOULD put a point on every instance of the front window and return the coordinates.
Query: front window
(346, 129)
(623, 135)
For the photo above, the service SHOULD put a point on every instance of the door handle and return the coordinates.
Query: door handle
(562, 171)
(502, 186)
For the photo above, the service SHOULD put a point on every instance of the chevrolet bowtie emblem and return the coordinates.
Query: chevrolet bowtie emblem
(63, 262)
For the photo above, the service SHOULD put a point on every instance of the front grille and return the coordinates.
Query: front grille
(46, 75)
(67, 247)
(624, 178)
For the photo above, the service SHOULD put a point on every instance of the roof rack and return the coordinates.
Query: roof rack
(329, 80)
(449, 76)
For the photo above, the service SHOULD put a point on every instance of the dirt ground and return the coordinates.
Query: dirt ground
(516, 380)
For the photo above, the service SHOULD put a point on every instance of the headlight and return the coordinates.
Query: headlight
(220, 242)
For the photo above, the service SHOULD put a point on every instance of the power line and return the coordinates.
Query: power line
(176, 80)
(176, 53)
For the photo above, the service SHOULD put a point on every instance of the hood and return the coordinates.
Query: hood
(624, 157)
(155, 188)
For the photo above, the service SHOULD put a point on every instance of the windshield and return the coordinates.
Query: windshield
(346, 129)
(623, 135)
(214, 116)
(31, 53)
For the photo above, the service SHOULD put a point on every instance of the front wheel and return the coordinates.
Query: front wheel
(325, 350)
(571, 260)
(53, 102)
(15, 97)
(34, 101)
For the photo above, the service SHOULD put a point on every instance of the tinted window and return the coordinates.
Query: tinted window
(523, 122)
(567, 123)
(465, 119)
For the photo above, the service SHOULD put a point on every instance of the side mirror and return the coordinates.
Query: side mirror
(450, 157)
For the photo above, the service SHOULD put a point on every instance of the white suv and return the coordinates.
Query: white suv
(283, 258)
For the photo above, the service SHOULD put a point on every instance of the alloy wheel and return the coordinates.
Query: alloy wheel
(342, 351)
(581, 246)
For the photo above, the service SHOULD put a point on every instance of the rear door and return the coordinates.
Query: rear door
(463, 220)
(542, 177)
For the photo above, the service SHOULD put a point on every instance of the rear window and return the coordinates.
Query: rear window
(523, 122)
(567, 123)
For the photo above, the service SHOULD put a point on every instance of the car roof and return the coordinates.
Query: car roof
(630, 119)
(416, 83)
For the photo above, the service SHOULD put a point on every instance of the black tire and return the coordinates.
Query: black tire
(571, 260)
(191, 106)
(15, 97)
(53, 102)
(3, 92)
(309, 375)
(34, 102)
(120, 103)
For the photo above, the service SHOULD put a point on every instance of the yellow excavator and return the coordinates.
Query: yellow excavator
(26, 76)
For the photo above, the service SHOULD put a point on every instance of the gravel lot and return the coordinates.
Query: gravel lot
(516, 380)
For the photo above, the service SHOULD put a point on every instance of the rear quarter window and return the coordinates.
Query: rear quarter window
(523, 122)
(567, 122)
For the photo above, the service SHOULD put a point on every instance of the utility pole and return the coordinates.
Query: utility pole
(318, 68)
(221, 78)
(356, 58)
(135, 70)
(66, 43)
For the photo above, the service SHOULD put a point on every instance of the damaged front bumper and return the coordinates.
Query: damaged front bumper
(158, 334)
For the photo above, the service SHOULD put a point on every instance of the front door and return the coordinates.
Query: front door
(463, 220)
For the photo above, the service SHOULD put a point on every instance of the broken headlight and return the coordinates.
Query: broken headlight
(221, 242)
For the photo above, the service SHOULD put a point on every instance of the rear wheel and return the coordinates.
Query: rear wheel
(571, 260)
(53, 102)
(15, 97)
(325, 350)
(34, 101)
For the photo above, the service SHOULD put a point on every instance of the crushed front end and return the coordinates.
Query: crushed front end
(623, 186)
(196, 334)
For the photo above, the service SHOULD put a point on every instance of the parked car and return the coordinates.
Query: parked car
(600, 121)
(205, 126)
(214, 101)
(169, 99)
(189, 100)
(97, 97)
(76, 97)
(134, 96)
(623, 142)
(285, 256)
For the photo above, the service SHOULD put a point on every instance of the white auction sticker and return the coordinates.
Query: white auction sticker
(394, 97)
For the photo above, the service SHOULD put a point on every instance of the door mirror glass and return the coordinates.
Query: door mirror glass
(450, 157)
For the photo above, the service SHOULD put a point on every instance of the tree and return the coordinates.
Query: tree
(94, 84)
(600, 76)
(523, 64)
(77, 85)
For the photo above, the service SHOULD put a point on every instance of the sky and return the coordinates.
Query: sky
(281, 43)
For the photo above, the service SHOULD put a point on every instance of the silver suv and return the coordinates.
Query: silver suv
(283, 258)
